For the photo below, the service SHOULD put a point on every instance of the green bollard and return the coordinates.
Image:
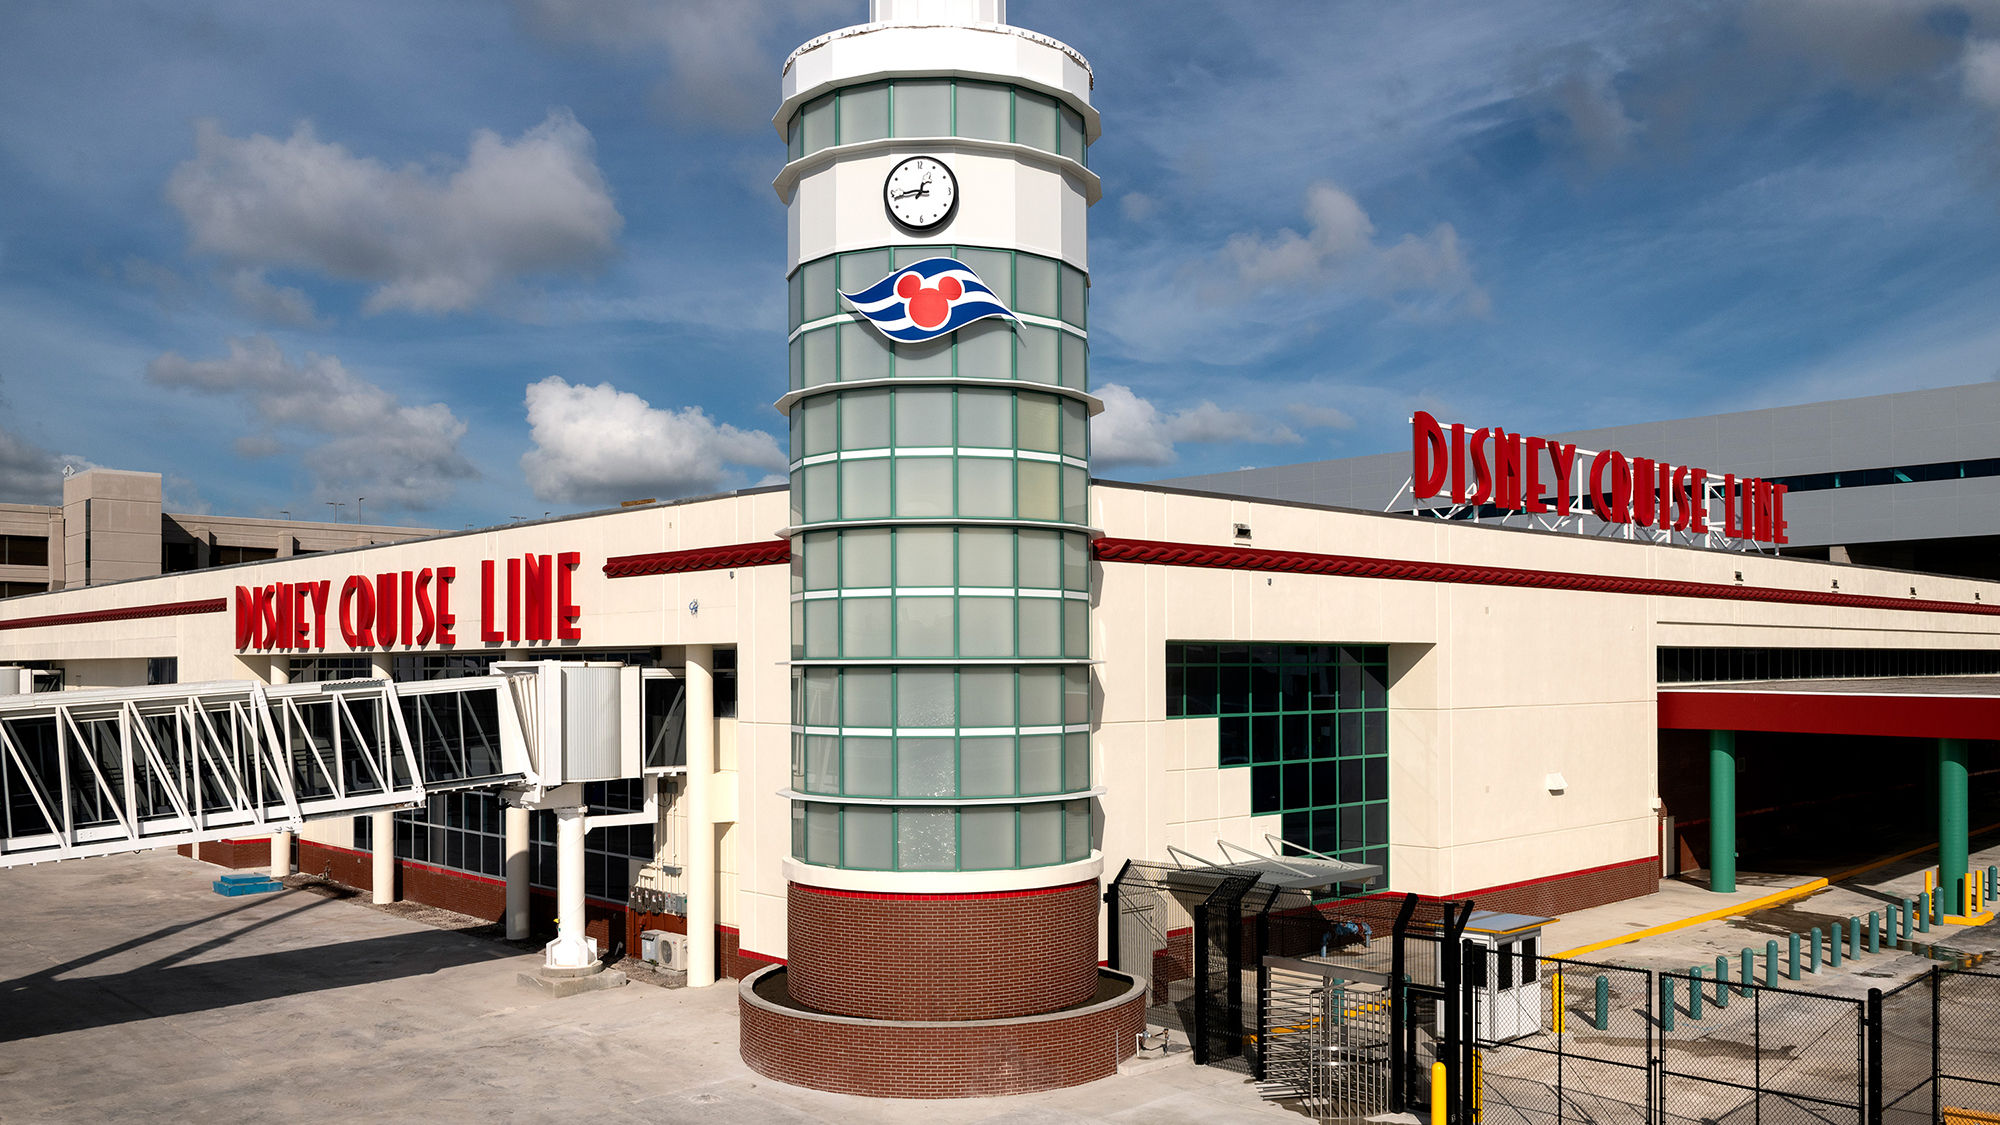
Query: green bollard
(1812, 963)
(1603, 1020)
(1339, 1001)
(1924, 913)
(1794, 943)
(1833, 947)
(1770, 963)
(1666, 1003)
(1992, 882)
(1748, 976)
(1909, 917)
(1853, 938)
(1874, 932)
(1722, 982)
(1694, 994)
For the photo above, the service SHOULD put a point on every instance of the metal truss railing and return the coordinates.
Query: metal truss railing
(120, 770)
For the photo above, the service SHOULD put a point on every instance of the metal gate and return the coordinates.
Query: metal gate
(1326, 1039)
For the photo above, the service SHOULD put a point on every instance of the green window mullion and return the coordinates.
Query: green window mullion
(836, 117)
(953, 95)
(890, 98)
(957, 738)
(1017, 710)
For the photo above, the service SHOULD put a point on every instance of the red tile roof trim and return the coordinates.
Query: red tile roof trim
(128, 613)
(1355, 566)
(768, 553)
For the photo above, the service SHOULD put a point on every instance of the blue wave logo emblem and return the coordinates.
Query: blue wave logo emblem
(927, 299)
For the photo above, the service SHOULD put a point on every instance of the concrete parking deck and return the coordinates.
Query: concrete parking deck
(130, 992)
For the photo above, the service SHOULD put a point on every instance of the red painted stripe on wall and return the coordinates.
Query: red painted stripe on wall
(1356, 566)
(979, 896)
(127, 613)
(768, 553)
(1802, 712)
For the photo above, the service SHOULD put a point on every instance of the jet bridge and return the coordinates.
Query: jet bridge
(89, 773)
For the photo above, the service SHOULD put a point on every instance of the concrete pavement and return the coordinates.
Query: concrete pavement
(130, 992)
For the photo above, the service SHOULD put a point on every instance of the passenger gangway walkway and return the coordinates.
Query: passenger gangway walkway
(88, 773)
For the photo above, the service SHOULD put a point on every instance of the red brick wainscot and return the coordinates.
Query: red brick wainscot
(939, 1058)
(1556, 895)
(238, 854)
(979, 956)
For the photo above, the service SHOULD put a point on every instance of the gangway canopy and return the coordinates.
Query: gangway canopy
(100, 772)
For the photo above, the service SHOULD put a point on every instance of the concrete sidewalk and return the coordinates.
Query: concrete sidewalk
(130, 992)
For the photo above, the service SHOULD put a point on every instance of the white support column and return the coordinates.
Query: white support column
(571, 949)
(516, 822)
(382, 878)
(382, 825)
(281, 842)
(701, 881)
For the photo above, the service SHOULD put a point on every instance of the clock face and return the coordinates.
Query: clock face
(920, 192)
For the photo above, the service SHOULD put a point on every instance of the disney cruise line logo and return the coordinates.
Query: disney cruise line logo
(927, 299)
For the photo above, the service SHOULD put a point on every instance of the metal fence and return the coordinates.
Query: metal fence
(1592, 1059)
(1941, 1048)
(1622, 1045)
(1341, 1007)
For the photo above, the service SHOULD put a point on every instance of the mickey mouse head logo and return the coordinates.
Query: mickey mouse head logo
(929, 307)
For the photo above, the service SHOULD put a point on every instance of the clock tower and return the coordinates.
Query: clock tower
(944, 858)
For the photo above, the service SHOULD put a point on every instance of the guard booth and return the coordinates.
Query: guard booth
(1503, 973)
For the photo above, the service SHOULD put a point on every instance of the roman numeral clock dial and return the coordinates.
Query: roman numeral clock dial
(921, 193)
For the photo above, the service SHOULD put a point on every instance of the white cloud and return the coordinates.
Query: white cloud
(1596, 115)
(1132, 431)
(719, 56)
(371, 443)
(29, 474)
(1314, 417)
(278, 304)
(1138, 206)
(1258, 292)
(1982, 72)
(426, 242)
(598, 445)
(1339, 248)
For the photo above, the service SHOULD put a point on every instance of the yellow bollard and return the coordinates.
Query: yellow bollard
(1556, 999)
(1439, 1090)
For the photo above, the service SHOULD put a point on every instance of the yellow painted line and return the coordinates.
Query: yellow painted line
(1880, 863)
(1775, 899)
(1767, 901)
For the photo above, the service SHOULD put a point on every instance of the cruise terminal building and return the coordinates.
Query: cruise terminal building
(881, 736)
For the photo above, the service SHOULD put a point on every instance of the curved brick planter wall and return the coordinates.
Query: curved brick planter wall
(944, 957)
(938, 1059)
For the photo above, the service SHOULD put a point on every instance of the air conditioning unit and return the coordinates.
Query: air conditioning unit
(664, 948)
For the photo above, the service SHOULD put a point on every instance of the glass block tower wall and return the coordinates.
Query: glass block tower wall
(942, 805)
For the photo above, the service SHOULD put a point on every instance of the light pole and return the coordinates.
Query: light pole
(357, 509)
(336, 505)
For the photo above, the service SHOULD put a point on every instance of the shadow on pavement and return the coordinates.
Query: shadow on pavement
(51, 1003)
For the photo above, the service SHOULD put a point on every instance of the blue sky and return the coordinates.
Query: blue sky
(479, 260)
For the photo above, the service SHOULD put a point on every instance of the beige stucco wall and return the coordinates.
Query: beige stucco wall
(1492, 688)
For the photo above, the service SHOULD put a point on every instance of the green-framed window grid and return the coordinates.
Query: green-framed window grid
(983, 559)
(941, 765)
(939, 418)
(851, 351)
(1030, 284)
(912, 838)
(1311, 723)
(1043, 489)
(930, 107)
(914, 627)
(879, 700)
